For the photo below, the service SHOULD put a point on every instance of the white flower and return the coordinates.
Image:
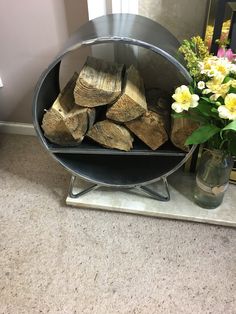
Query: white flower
(206, 91)
(224, 113)
(232, 68)
(201, 85)
(222, 66)
(228, 111)
(184, 99)
(211, 73)
(214, 97)
(214, 66)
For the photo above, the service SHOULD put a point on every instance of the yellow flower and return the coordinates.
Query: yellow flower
(206, 66)
(233, 83)
(222, 66)
(184, 99)
(228, 111)
(216, 87)
(214, 66)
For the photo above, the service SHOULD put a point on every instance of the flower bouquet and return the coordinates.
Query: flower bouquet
(210, 100)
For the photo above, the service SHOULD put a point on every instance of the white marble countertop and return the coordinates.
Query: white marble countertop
(181, 205)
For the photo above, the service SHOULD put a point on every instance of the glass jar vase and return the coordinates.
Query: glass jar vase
(212, 178)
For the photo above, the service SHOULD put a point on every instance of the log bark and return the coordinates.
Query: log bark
(132, 102)
(65, 100)
(66, 123)
(181, 128)
(99, 83)
(53, 125)
(111, 135)
(150, 128)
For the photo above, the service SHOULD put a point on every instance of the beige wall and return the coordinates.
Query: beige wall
(33, 32)
(183, 18)
(31, 35)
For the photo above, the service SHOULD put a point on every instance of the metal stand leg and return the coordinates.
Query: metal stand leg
(155, 194)
(145, 189)
(77, 195)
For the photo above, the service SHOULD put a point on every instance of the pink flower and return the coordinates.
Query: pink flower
(230, 55)
(223, 53)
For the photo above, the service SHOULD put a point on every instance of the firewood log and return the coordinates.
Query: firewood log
(160, 102)
(99, 83)
(132, 102)
(111, 135)
(79, 120)
(66, 123)
(55, 129)
(153, 126)
(53, 125)
(150, 128)
(181, 128)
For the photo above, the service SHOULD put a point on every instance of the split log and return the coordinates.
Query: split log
(55, 129)
(53, 125)
(132, 102)
(79, 120)
(99, 83)
(111, 135)
(66, 123)
(150, 128)
(181, 128)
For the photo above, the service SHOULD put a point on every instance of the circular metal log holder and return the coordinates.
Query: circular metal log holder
(135, 169)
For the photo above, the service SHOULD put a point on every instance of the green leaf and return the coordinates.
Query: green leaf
(206, 99)
(230, 126)
(205, 109)
(232, 90)
(202, 134)
(227, 79)
(191, 89)
(214, 110)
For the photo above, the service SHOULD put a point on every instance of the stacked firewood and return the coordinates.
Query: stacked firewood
(107, 104)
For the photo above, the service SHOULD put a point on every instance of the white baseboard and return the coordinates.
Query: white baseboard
(17, 128)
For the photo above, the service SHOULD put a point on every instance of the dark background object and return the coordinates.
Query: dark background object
(223, 6)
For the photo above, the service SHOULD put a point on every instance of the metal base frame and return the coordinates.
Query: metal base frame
(150, 192)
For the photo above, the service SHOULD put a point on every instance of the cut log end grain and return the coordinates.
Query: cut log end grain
(132, 102)
(99, 83)
(79, 121)
(55, 129)
(149, 128)
(111, 135)
(66, 123)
